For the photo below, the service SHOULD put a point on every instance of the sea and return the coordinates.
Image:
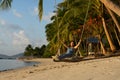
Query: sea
(9, 64)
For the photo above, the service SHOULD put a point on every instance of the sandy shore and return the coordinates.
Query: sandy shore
(98, 69)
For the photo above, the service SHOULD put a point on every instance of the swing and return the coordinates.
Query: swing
(74, 58)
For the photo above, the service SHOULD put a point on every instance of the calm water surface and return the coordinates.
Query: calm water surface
(7, 64)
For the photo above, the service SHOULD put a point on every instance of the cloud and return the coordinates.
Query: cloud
(17, 14)
(35, 11)
(7, 29)
(2, 22)
(9, 26)
(13, 39)
(20, 39)
(48, 16)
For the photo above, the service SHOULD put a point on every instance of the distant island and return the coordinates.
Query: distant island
(2, 56)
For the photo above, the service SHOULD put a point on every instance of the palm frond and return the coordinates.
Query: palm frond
(40, 9)
(5, 4)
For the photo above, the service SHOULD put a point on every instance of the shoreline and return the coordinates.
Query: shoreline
(27, 64)
(98, 69)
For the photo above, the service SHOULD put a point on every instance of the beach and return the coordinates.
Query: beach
(96, 69)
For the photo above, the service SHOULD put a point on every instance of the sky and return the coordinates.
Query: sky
(20, 25)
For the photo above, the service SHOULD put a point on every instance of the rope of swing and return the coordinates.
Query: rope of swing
(85, 20)
(83, 26)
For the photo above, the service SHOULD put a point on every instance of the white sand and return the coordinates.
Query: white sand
(98, 69)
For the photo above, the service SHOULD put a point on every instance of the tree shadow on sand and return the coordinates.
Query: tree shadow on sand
(78, 59)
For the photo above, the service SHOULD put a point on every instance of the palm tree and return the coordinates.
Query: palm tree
(102, 13)
(112, 46)
(5, 4)
(116, 22)
(108, 3)
(66, 24)
(114, 19)
(115, 8)
(95, 29)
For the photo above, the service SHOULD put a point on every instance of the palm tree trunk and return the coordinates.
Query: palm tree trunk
(114, 19)
(115, 8)
(102, 45)
(112, 46)
(117, 36)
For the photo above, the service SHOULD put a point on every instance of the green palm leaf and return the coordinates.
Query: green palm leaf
(40, 8)
(5, 4)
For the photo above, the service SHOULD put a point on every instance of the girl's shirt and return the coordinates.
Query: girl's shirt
(70, 50)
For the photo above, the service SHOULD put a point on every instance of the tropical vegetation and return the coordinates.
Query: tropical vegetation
(78, 20)
(71, 22)
(36, 52)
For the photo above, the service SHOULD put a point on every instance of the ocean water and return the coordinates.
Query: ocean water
(8, 64)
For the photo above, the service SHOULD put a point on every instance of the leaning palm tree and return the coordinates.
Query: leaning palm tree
(5, 4)
(115, 8)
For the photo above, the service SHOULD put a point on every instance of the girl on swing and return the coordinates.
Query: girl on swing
(69, 52)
